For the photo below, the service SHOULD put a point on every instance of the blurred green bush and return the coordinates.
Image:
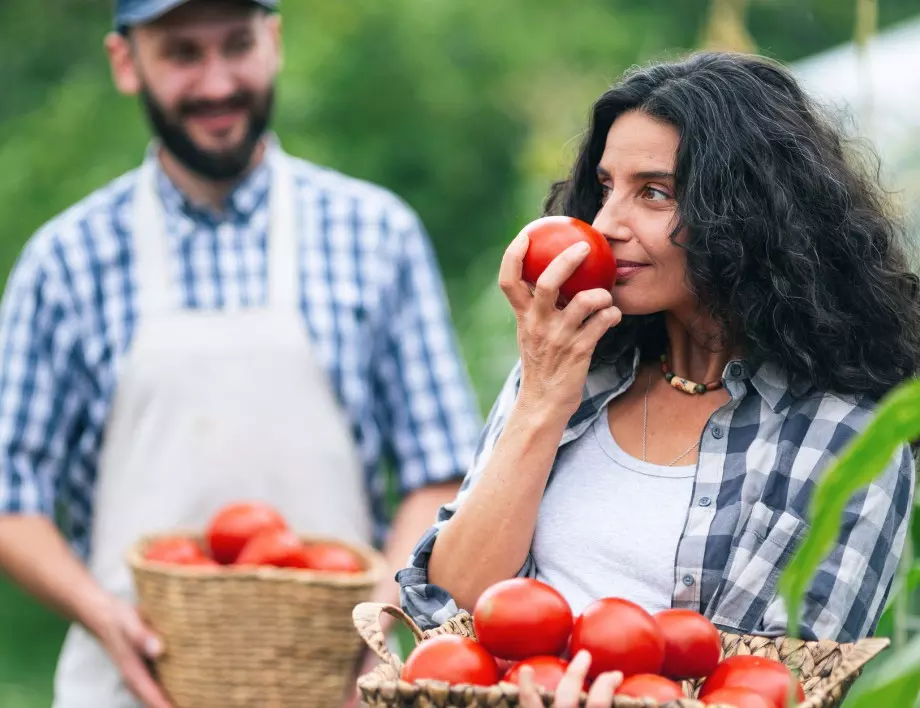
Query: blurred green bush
(466, 109)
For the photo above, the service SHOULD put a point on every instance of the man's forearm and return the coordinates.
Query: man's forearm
(36, 556)
(415, 515)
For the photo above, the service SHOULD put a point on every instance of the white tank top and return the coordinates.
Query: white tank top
(609, 523)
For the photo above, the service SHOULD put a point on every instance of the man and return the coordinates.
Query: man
(226, 322)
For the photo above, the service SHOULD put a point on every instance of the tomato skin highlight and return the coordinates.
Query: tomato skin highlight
(551, 235)
(766, 677)
(658, 688)
(620, 636)
(693, 647)
(522, 617)
(235, 524)
(453, 659)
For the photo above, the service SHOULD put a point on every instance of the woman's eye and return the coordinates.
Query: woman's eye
(605, 192)
(655, 195)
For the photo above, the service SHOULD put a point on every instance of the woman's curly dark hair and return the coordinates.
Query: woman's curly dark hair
(789, 246)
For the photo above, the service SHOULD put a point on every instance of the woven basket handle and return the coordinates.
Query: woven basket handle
(366, 617)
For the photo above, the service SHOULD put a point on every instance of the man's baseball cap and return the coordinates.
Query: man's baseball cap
(129, 13)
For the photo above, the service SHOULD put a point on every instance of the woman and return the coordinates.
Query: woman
(754, 262)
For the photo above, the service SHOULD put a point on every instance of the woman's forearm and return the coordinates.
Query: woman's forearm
(489, 537)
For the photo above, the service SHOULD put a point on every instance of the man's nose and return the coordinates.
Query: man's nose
(218, 83)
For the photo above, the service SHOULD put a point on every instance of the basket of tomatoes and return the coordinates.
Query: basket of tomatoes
(675, 658)
(252, 613)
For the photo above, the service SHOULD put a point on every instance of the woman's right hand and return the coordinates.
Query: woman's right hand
(556, 345)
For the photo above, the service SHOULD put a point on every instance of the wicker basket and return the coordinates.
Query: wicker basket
(827, 669)
(256, 636)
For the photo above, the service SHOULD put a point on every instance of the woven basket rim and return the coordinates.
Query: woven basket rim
(376, 564)
(867, 648)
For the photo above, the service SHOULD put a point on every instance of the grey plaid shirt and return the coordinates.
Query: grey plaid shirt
(760, 456)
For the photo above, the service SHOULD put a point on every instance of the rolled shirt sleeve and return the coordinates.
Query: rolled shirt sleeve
(428, 604)
(426, 404)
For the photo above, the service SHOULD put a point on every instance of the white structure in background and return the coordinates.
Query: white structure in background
(881, 93)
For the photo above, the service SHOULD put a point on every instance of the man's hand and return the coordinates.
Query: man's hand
(130, 643)
(36, 556)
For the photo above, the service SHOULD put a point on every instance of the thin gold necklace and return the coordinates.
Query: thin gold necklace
(645, 430)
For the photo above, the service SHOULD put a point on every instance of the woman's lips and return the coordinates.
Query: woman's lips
(627, 268)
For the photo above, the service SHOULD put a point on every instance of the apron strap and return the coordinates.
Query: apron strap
(150, 245)
(283, 261)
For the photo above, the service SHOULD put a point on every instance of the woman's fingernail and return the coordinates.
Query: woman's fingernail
(582, 248)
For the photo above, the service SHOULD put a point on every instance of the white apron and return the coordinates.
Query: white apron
(212, 407)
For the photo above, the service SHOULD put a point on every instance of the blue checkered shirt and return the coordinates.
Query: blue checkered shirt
(759, 458)
(372, 300)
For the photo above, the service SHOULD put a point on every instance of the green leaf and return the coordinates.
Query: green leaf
(895, 683)
(896, 421)
(912, 581)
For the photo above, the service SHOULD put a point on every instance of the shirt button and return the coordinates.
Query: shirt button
(717, 432)
(735, 370)
(705, 501)
(688, 580)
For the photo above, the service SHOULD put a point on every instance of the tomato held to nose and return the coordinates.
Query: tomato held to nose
(550, 236)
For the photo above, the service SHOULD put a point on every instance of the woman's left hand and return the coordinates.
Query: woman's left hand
(567, 693)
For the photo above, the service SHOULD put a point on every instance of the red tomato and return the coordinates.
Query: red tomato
(550, 236)
(767, 677)
(179, 551)
(547, 671)
(658, 688)
(232, 527)
(451, 658)
(692, 644)
(332, 558)
(620, 636)
(737, 697)
(521, 617)
(279, 547)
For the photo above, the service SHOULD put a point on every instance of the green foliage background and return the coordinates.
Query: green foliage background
(467, 109)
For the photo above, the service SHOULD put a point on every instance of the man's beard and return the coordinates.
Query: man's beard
(223, 165)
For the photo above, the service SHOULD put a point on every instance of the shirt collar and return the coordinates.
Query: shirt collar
(776, 386)
(772, 383)
(241, 202)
